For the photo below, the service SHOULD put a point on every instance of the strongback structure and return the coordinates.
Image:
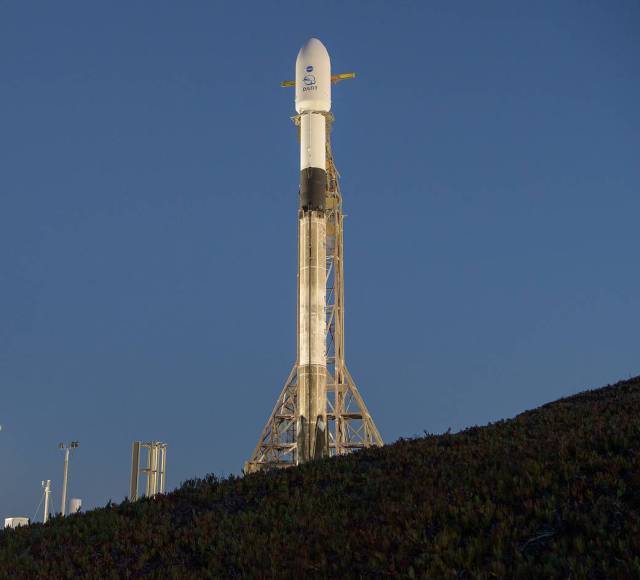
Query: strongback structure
(320, 411)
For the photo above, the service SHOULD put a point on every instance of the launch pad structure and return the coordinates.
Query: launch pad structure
(349, 425)
(155, 471)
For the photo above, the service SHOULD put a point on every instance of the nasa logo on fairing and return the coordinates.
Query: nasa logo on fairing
(309, 68)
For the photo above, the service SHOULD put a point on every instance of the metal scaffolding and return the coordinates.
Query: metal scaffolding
(155, 470)
(349, 422)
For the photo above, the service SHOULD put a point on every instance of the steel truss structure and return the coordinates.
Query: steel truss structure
(349, 422)
(155, 471)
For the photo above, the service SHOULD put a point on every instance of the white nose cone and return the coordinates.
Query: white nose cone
(313, 77)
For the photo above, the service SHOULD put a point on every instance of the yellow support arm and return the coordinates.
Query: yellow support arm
(342, 76)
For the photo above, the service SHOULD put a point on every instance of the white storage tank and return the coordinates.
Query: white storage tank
(15, 522)
(75, 504)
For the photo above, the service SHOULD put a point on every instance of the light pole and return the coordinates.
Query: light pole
(66, 448)
(47, 491)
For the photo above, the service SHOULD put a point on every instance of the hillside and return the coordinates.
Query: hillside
(554, 492)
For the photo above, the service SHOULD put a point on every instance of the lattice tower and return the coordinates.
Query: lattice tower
(350, 425)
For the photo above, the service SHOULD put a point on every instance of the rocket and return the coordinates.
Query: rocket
(313, 103)
(320, 411)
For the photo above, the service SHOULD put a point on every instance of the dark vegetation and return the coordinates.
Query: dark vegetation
(553, 493)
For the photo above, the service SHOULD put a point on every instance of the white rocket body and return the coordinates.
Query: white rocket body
(313, 98)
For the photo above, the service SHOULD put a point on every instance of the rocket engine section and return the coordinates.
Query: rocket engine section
(313, 99)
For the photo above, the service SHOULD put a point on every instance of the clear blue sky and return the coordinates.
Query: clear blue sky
(148, 196)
